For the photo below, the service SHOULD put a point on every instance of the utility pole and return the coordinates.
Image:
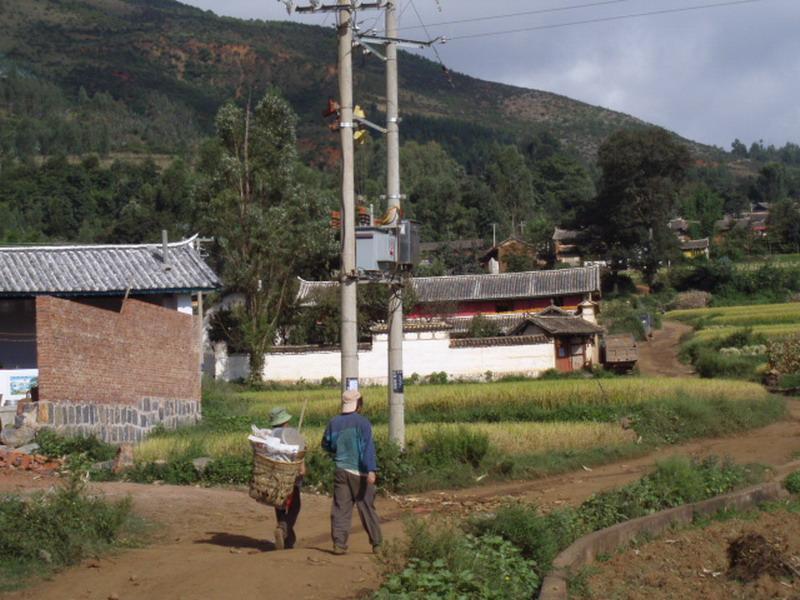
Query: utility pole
(348, 275)
(397, 425)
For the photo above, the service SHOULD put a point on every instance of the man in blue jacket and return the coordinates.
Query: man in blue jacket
(348, 437)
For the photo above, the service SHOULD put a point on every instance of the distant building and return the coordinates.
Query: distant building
(565, 247)
(506, 252)
(695, 248)
(546, 319)
(102, 337)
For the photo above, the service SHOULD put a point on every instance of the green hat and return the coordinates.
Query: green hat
(279, 416)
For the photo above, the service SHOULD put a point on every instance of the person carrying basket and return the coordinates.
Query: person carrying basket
(286, 512)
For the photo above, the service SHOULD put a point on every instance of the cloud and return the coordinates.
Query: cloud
(711, 75)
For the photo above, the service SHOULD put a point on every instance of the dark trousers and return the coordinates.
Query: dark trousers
(349, 489)
(287, 517)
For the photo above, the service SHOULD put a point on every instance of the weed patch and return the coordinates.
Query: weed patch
(50, 530)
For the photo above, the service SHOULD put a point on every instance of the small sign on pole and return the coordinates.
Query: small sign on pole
(397, 382)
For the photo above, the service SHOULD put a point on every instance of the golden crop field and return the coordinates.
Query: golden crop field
(501, 396)
(771, 331)
(742, 316)
(509, 438)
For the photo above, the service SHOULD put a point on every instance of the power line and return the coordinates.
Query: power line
(525, 13)
(665, 11)
(433, 46)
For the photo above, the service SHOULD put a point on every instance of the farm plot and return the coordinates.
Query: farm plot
(770, 319)
(459, 432)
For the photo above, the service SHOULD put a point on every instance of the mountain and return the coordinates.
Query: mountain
(149, 75)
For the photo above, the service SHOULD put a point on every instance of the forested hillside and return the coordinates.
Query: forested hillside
(107, 133)
(149, 75)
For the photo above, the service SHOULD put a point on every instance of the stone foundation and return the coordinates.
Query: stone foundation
(113, 423)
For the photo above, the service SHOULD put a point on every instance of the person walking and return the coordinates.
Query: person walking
(286, 515)
(348, 438)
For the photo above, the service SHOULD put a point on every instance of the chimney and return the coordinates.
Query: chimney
(165, 249)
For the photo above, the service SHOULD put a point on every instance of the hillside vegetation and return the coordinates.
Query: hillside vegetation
(149, 75)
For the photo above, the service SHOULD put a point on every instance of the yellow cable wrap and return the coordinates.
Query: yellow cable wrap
(273, 481)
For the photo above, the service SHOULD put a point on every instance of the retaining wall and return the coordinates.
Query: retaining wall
(606, 541)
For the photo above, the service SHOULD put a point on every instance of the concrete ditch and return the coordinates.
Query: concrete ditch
(583, 551)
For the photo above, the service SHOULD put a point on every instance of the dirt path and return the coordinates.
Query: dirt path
(659, 355)
(214, 543)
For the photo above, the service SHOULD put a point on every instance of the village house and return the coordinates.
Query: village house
(501, 257)
(546, 319)
(565, 246)
(101, 339)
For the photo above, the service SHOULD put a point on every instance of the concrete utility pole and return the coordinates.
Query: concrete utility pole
(348, 275)
(397, 426)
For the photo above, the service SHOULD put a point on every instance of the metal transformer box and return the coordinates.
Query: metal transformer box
(387, 249)
(376, 249)
(408, 244)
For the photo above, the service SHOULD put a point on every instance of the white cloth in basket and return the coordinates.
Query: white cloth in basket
(281, 444)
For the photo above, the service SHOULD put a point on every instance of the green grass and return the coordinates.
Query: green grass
(46, 531)
(433, 554)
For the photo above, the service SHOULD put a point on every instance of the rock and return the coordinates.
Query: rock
(201, 464)
(106, 465)
(29, 448)
(45, 556)
(16, 437)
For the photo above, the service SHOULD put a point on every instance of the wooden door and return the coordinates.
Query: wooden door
(563, 355)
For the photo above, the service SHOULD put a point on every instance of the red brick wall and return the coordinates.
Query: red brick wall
(102, 352)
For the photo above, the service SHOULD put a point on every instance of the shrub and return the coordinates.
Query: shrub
(784, 355)
(54, 529)
(444, 562)
(54, 445)
(792, 483)
(714, 363)
(443, 445)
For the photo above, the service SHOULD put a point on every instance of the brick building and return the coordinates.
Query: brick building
(102, 339)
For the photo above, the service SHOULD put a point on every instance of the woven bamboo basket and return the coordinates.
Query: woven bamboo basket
(273, 481)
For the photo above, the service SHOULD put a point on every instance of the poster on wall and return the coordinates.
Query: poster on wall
(22, 384)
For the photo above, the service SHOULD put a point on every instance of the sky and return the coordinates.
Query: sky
(710, 74)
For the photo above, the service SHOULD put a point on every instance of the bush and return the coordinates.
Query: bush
(714, 363)
(444, 562)
(792, 483)
(58, 528)
(54, 445)
(784, 355)
(446, 445)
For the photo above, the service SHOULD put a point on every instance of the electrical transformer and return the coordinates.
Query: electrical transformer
(386, 250)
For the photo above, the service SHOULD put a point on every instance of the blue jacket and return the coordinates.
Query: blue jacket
(349, 438)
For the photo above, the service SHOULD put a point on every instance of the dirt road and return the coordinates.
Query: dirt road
(214, 543)
(659, 355)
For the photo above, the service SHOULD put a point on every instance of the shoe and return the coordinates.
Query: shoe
(376, 549)
(338, 550)
(280, 541)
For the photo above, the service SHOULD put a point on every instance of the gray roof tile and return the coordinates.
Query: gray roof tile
(457, 288)
(96, 269)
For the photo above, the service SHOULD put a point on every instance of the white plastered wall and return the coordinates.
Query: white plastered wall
(423, 353)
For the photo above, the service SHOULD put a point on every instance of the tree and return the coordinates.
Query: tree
(641, 173)
(784, 225)
(262, 219)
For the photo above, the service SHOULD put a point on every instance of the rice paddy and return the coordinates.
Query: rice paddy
(519, 418)
(770, 320)
(511, 439)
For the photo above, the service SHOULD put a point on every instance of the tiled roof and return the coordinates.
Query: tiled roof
(474, 244)
(415, 325)
(519, 340)
(566, 325)
(103, 270)
(565, 235)
(695, 244)
(459, 288)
